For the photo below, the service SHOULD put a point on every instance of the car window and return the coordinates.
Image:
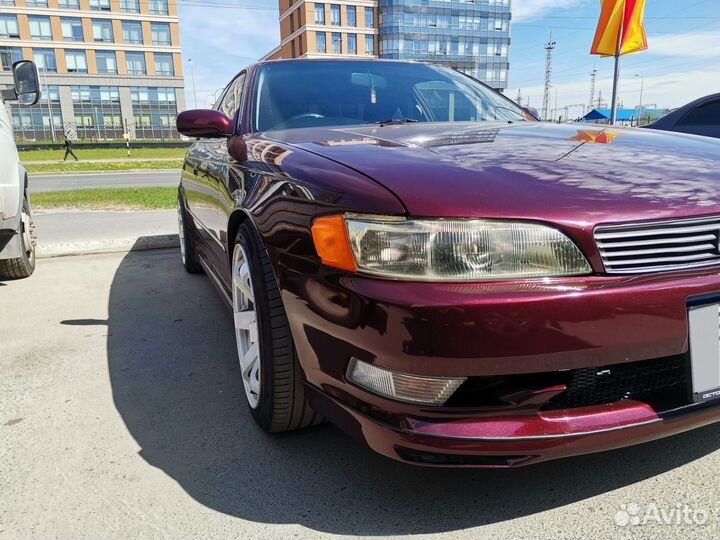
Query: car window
(326, 93)
(707, 114)
(233, 95)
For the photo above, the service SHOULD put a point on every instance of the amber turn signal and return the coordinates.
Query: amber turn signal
(332, 244)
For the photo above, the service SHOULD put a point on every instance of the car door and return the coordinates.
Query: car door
(702, 120)
(218, 165)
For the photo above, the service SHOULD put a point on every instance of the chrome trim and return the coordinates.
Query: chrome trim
(683, 244)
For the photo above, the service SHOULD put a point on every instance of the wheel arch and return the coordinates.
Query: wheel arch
(237, 218)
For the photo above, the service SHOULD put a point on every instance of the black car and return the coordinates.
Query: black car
(699, 117)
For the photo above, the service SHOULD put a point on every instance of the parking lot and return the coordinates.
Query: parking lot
(122, 415)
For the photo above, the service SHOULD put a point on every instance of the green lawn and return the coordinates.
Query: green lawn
(81, 166)
(104, 153)
(109, 199)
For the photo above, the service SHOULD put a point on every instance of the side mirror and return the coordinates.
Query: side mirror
(205, 123)
(27, 82)
(532, 111)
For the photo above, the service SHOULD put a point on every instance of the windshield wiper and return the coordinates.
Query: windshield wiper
(394, 121)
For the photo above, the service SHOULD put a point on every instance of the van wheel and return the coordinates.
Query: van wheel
(24, 265)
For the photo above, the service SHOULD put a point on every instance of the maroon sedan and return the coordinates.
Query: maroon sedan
(411, 256)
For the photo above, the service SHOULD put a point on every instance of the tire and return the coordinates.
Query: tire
(188, 253)
(24, 265)
(281, 404)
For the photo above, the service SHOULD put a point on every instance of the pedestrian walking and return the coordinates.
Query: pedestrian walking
(69, 149)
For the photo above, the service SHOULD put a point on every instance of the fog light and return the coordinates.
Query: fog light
(401, 386)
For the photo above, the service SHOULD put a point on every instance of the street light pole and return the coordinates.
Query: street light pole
(192, 73)
(47, 98)
(642, 84)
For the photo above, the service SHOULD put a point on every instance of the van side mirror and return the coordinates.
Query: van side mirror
(532, 111)
(27, 82)
(205, 123)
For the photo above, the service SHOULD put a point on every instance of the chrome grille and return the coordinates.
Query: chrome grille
(659, 246)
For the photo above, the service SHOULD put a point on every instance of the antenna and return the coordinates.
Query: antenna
(593, 75)
(519, 98)
(549, 48)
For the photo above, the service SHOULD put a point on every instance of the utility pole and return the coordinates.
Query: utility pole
(642, 84)
(192, 73)
(593, 75)
(519, 98)
(549, 48)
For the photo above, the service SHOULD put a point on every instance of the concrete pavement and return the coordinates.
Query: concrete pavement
(40, 183)
(63, 232)
(122, 415)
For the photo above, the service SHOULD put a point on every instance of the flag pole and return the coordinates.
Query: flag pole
(613, 109)
(616, 76)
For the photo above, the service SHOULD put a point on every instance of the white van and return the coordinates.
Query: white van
(17, 232)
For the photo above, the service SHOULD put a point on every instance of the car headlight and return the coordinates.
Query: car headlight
(446, 249)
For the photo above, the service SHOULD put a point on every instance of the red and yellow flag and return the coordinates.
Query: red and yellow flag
(620, 29)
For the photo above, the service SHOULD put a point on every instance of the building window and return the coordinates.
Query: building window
(76, 61)
(352, 43)
(7, 2)
(10, 55)
(69, 4)
(103, 31)
(9, 26)
(130, 6)
(321, 42)
(100, 5)
(351, 16)
(135, 62)
(164, 64)
(106, 62)
(132, 32)
(36, 3)
(45, 60)
(337, 43)
(160, 34)
(319, 13)
(40, 27)
(36, 121)
(154, 111)
(292, 22)
(72, 29)
(335, 18)
(369, 18)
(370, 45)
(159, 7)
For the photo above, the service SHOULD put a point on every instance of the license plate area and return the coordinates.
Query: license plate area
(704, 321)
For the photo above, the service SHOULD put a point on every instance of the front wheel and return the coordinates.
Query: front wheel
(23, 266)
(271, 374)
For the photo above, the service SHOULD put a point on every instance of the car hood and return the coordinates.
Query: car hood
(572, 173)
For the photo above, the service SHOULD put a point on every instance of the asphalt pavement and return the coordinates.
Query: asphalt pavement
(122, 415)
(40, 183)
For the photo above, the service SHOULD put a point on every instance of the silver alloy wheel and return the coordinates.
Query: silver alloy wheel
(181, 233)
(246, 329)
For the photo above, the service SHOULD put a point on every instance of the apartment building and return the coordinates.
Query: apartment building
(342, 28)
(107, 67)
(472, 36)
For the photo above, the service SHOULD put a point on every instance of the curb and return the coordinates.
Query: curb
(120, 245)
(99, 173)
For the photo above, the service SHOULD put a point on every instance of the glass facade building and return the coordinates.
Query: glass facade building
(472, 36)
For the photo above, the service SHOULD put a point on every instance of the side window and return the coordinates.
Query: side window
(707, 114)
(231, 101)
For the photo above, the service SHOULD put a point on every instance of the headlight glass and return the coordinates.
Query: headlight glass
(462, 250)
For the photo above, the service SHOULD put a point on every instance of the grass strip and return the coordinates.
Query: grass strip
(80, 166)
(104, 153)
(154, 198)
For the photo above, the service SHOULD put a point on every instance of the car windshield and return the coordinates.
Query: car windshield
(330, 93)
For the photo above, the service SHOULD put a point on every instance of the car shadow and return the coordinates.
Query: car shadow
(176, 384)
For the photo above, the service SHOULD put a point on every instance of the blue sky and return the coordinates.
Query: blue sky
(682, 63)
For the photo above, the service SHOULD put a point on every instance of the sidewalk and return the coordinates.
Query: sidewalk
(64, 232)
(124, 160)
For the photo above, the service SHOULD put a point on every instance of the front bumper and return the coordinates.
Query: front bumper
(491, 330)
(511, 441)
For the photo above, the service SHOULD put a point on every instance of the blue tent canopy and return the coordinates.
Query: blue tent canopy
(623, 115)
